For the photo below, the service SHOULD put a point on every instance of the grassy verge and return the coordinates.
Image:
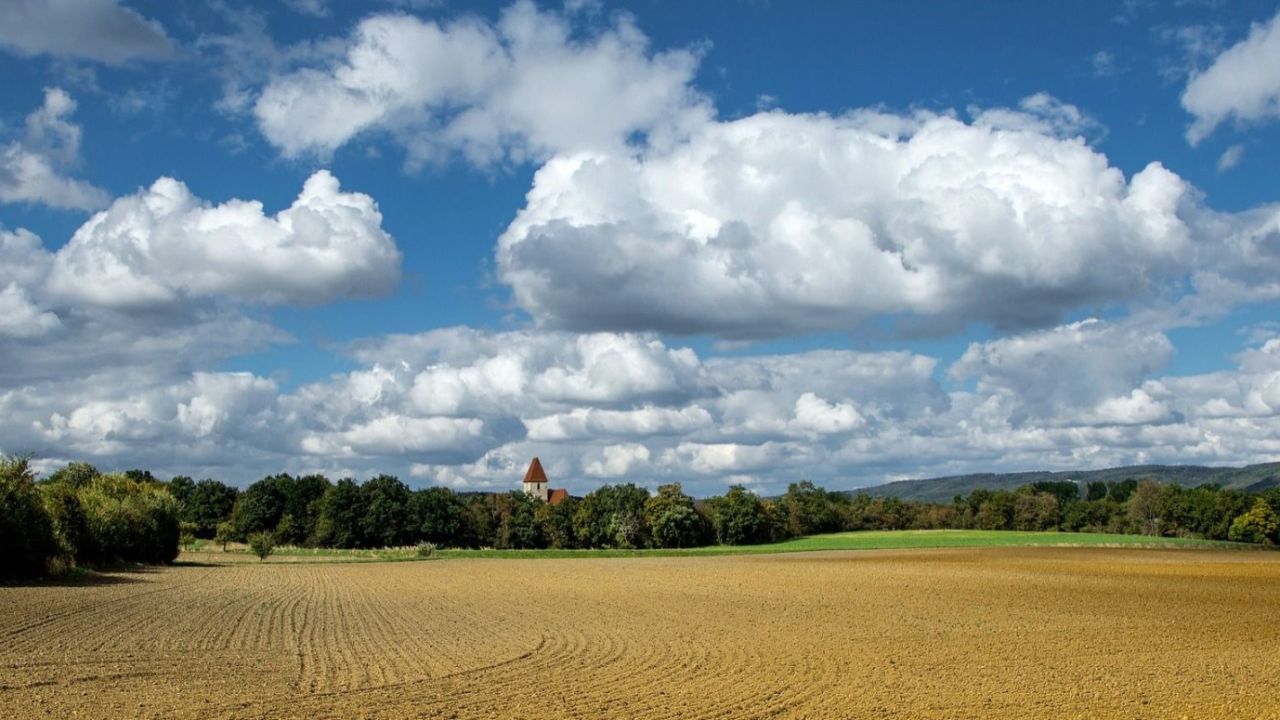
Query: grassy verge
(880, 540)
(868, 540)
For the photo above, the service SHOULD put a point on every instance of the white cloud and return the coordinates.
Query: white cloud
(616, 461)
(528, 86)
(163, 244)
(31, 168)
(99, 30)
(1059, 373)
(734, 458)
(1231, 157)
(778, 224)
(20, 317)
(1136, 408)
(591, 423)
(1082, 395)
(819, 417)
(397, 435)
(1243, 82)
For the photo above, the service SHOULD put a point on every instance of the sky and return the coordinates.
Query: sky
(741, 242)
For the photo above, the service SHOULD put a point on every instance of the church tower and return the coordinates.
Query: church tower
(535, 481)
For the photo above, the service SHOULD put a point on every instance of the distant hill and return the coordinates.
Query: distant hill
(943, 489)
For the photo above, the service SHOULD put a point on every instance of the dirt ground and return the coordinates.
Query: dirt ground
(998, 632)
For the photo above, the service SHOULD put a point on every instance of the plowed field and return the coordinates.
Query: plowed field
(996, 632)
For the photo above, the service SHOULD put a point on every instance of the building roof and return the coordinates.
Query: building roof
(535, 473)
(557, 496)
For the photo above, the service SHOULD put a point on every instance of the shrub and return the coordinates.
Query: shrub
(262, 544)
(426, 549)
(128, 520)
(225, 534)
(186, 534)
(69, 524)
(27, 540)
(1258, 525)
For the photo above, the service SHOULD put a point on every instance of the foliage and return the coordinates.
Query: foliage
(342, 512)
(613, 516)
(673, 520)
(386, 516)
(27, 535)
(557, 523)
(1036, 510)
(262, 544)
(426, 549)
(435, 514)
(62, 503)
(1144, 508)
(225, 533)
(95, 518)
(1258, 525)
(204, 504)
(518, 526)
(128, 520)
(75, 476)
(740, 518)
(810, 510)
(186, 534)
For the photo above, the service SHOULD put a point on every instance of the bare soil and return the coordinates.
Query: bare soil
(959, 633)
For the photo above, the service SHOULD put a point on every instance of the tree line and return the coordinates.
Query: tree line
(79, 515)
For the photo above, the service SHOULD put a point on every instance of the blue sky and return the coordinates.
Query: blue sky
(709, 243)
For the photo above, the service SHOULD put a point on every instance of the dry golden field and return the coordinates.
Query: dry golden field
(994, 632)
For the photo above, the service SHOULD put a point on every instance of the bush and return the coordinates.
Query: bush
(262, 544)
(27, 540)
(128, 520)
(225, 534)
(1258, 525)
(187, 534)
(426, 549)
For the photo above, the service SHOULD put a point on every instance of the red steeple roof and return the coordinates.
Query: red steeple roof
(535, 473)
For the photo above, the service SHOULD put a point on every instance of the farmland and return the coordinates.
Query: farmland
(953, 632)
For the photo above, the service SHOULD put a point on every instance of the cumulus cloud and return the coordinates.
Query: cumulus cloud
(593, 423)
(617, 460)
(1243, 82)
(1087, 394)
(100, 30)
(20, 317)
(163, 244)
(780, 223)
(32, 167)
(112, 340)
(1052, 374)
(529, 85)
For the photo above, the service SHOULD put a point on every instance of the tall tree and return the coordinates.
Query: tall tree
(435, 514)
(342, 514)
(386, 516)
(206, 504)
(673, 520)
